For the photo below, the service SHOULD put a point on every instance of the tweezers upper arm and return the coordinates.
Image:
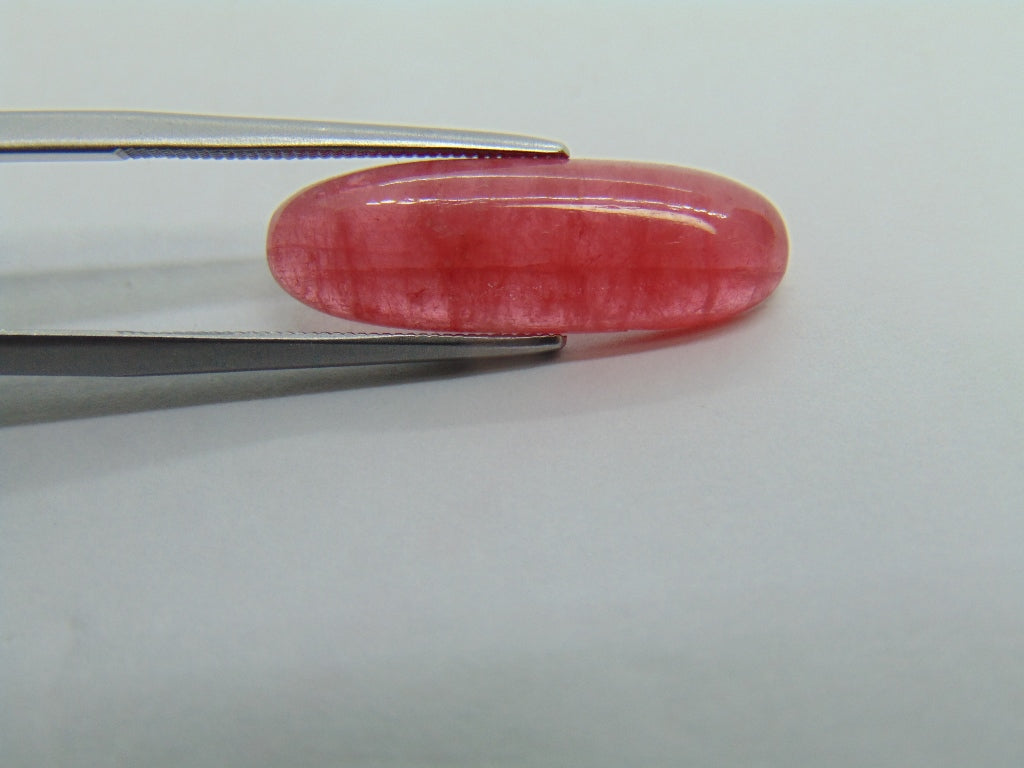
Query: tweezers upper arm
(73, 134)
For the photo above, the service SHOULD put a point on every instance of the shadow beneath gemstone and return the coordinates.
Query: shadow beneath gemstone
(594, 346)
(45, 399)
(73, 296)
(208, 293)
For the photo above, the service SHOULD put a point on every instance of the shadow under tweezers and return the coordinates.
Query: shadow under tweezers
(26, 400)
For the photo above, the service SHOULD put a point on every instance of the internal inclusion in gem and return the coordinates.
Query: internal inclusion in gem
(529, 246)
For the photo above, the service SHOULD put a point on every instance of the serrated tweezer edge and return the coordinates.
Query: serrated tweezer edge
(138, 353)
(78, 134)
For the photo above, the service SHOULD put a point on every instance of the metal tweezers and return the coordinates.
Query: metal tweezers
(71, 135)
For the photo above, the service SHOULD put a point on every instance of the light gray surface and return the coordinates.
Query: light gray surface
(795, 540)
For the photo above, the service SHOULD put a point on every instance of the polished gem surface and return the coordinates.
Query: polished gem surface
(525, 246)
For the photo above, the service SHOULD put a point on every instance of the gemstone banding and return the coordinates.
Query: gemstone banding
(529, 246)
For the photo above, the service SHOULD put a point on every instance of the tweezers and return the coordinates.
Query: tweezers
(72, 135)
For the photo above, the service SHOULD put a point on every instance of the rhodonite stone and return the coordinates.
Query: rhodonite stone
(525, 246)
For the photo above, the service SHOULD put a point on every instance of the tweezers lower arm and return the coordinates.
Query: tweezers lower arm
(136, 353)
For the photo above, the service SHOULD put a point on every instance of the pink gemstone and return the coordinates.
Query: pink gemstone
(524, 246)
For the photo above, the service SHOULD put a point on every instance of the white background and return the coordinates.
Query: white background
(795, 540)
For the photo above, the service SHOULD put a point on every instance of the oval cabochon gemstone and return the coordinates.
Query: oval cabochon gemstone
(529, 246)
